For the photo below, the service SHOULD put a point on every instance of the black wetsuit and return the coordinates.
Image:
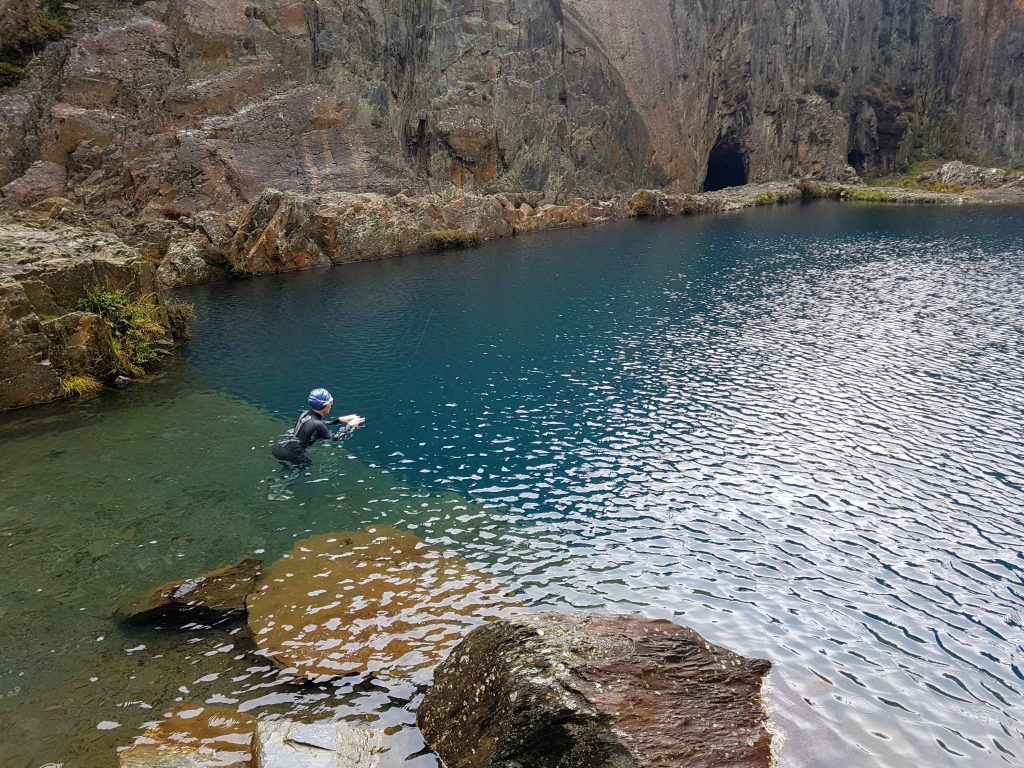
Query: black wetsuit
(309, 428)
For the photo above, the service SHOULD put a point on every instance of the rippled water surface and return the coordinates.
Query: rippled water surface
(796, 430)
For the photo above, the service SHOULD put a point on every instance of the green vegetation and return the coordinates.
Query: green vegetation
(137, 335)
(79, 386)
(867, 195)
(454, 238)
(829, 89)
(10, 74)
(28, 26)
(644, 203)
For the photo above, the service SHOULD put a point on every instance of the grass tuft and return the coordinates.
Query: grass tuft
(79, 386)
(137, 335)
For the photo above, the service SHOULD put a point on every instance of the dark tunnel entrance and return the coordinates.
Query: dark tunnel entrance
(727, 165)
(855, 158)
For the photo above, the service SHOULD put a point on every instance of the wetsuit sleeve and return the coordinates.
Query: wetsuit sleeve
(342, 433)
(323, 432)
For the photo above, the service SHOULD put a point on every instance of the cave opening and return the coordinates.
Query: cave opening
(727, 164)
(855, 158)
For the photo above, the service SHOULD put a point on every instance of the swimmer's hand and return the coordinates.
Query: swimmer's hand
(352, 420)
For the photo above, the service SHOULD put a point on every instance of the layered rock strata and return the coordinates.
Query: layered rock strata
(580, 691)
(177, 107)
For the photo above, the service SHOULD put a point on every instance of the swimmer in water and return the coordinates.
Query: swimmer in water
(312, 427)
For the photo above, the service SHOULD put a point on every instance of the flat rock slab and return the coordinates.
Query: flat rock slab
(373, 601)
(212, 598)
(579, 691)
(194, 736)
(283, 744)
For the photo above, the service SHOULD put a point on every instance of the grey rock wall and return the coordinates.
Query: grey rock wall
(179, 106)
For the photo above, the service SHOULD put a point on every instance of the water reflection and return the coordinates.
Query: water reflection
(797, 431)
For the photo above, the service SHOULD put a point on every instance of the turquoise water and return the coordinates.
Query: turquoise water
(797, 430)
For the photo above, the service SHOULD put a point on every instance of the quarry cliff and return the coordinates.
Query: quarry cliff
(173, 107)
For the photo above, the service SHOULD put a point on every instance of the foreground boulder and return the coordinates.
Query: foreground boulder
(213, 598)
(378, 600)
(595, 692)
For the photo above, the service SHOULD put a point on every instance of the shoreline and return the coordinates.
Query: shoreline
(53, 254)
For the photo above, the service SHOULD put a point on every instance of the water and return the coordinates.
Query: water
(797, 430)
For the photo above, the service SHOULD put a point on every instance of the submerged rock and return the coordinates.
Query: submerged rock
(194, 736)
(212, 598)
(595, 692)
(379, 600)
(284, 744)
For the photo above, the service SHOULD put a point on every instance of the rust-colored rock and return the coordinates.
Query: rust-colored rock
(378, 600)
(587, 691)
(212, 598)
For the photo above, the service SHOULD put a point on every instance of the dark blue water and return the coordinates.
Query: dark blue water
(798, 430)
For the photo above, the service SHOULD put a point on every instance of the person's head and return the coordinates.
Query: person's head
(320, 400)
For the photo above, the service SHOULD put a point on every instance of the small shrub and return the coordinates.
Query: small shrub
(829, 89)
(79, 386)
(645, 203)
(137, 336)
(10, 74)
(28, 28)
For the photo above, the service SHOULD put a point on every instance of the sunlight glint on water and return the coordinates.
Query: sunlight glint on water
(796, 430)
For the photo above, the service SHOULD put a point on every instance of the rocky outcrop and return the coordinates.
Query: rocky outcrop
(374, 601)
(210, 599)
(48, 333)
(170, 109)
(595, 692)
(972, 177)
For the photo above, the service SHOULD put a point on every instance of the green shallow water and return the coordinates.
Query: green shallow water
(797, 430)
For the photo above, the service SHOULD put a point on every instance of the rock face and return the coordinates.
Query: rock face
(210, 599)
(379, 600)
(173, 108)
(595, 692)
(47, 269)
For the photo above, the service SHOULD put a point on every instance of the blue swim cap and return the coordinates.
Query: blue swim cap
(318, 398)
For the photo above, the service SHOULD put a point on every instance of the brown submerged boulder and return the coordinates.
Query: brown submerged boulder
(579, 691)
(378, 600)
(213, 598)
(194, 735)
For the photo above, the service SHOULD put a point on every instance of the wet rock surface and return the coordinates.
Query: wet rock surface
(209, 599)
(285, 744)
(579, 691)
(195, 735)
(376, 601)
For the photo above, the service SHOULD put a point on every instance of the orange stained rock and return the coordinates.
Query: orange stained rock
(378, 600)
(220, 737)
